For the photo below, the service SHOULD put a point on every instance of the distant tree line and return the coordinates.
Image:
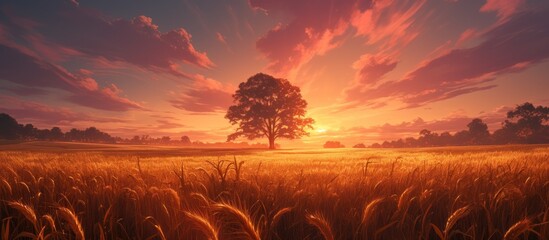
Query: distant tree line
(10, 129)
(186, 141)
(333, 144)
(526, 124)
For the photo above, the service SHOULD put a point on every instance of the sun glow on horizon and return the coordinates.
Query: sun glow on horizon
(320, 130)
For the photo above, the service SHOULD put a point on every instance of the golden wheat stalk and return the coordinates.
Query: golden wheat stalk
(49, 220)
(454, 218)
(370, 210)
(517, 229)
(7, 186)
(278, 216)
(203, 225)
(322, 224)
(241, 216)
(404, 198)
(73, 221)
(26, 211)
(160, 231)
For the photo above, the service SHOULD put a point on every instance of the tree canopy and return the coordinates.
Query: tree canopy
(270, 107)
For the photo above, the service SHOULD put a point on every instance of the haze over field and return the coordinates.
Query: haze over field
(369, 70)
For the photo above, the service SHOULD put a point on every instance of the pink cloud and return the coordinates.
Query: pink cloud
(509, 47)
(221, 38)
(312, 29)
(137, 41)
(31, 73)
(204, 96)
(167, 124)
(504, 8)
(390, 22)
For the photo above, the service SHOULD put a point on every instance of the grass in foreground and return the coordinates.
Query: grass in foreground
(128, 193)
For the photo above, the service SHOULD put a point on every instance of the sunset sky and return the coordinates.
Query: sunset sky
(370, 70)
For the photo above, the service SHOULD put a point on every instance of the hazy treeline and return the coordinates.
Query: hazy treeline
(526, 124)
(10, 129)
(186, 141)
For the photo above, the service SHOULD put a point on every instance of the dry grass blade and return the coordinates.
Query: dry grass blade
(516, 230)
(452, 220)
(27, 211)
(405, 197)
(243, 219)
(73, 221)
(7, 186)
(49, 220)
(278, 215)
(160, 231)
(6, 229)
(322, 224)
(203, 225)
(370, 210)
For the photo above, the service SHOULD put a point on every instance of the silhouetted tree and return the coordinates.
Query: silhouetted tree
(427, 138)
(478, 131)
(528, 123)
(43, 134)
(74, 135)
(185, 140)
(268, 107)
(444, 139)
(359, 145)
(56, 134)
(333, 144)
(165, 139)
(28, 132)
(9, 127)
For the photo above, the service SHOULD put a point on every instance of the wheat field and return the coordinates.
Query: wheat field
(69, 191)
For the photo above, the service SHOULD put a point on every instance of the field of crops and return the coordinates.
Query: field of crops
(78, 191)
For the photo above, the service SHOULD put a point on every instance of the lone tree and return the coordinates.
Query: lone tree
(268, 107)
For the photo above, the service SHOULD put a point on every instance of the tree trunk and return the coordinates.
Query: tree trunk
(272, 143)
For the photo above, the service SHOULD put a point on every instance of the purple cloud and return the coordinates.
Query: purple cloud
(137, 41)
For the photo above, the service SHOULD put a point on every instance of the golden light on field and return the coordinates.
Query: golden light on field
(146, 192)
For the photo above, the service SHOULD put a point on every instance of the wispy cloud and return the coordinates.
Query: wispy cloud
(204, 96)
(30, 73)
(509, 47)
(504, 8)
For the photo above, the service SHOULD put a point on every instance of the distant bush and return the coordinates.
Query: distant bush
(333, 144)
(360, 145)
